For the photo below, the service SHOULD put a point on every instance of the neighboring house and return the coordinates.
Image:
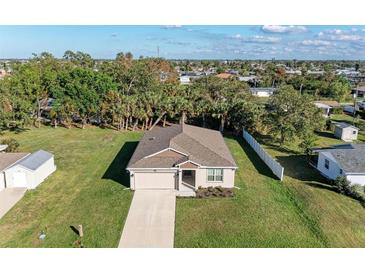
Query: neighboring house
(327, 106)
(346, 132)
(25, 169)
(184, 80)
(225, 75)
(262, 92)
(342, 160)
(183, 158)
(359, 91)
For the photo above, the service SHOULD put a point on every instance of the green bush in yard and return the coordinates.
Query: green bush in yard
(13, 145)
(354, 191)
(342, 185)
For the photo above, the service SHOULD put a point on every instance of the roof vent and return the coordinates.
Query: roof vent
(152, 138)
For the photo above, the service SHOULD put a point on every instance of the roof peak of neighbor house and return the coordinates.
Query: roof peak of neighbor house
(201, 145)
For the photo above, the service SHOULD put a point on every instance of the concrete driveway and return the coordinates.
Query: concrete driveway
(9, 197)
(151, 220)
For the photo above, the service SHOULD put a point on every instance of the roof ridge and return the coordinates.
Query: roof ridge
(216, 131)
(220, 156)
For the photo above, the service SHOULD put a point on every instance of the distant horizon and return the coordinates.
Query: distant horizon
(176, 42)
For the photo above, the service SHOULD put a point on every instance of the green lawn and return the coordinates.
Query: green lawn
(86, 189)
(301, 211)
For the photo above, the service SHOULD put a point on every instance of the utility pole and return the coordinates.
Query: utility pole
(158, 52)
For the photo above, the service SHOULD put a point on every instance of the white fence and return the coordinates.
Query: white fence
(275, 167)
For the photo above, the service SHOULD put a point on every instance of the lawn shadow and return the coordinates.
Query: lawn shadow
(259, 165)
(297, 167)
(117, 169)
(326, 134)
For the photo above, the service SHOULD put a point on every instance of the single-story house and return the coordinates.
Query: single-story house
(327, 106)
(342, 160)
(346, 132)
(182, 158)
(25, 169)
(262, 92)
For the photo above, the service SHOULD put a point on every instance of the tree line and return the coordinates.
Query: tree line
(130, 94)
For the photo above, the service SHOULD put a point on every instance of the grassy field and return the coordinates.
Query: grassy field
(302, 211)
(86, 189)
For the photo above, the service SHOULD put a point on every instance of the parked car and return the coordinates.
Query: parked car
(361, 105)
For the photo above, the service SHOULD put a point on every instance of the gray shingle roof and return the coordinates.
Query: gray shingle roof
(351, 157)
(35, 160)
(345, 125)
(204, 146)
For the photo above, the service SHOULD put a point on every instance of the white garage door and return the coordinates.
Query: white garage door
(154, 180)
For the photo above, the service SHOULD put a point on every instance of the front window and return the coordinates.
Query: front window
(215, 175)
(326, 164)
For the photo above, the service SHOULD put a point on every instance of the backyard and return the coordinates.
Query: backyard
(88, 188)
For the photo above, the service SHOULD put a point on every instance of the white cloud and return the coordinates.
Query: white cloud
(172, 26)
(257, 39)
(350, 35)
(315, 43)
(284, 29)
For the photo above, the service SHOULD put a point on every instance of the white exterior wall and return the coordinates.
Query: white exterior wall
(15, 173)
(356, 179)
(2, 180)
(167, 178)
(333, 171)
(42, 173)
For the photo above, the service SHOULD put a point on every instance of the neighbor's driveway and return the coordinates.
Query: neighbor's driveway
(151, 220)
(9, 197)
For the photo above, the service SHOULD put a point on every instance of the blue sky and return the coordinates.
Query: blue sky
(192, 42)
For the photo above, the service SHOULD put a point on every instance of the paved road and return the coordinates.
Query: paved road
(151, 220)
(9, 197)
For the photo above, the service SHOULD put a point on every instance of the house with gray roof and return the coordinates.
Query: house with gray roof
(26, 170)
(182, 158)
(342, 160)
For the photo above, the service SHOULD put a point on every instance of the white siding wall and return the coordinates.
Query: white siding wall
(42, 173)
(2, 180)
(356, 179)
(333, 171)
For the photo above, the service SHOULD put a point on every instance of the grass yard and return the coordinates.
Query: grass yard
(86, 189)
(299, 212)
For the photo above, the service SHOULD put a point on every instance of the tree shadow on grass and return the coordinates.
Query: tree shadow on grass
(259, 165)
(326, 134)
(117, 169)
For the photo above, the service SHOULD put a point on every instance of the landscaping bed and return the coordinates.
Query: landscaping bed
(210, 192)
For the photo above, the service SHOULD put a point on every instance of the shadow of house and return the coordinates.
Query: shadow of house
(117, 169)
(259, 165)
